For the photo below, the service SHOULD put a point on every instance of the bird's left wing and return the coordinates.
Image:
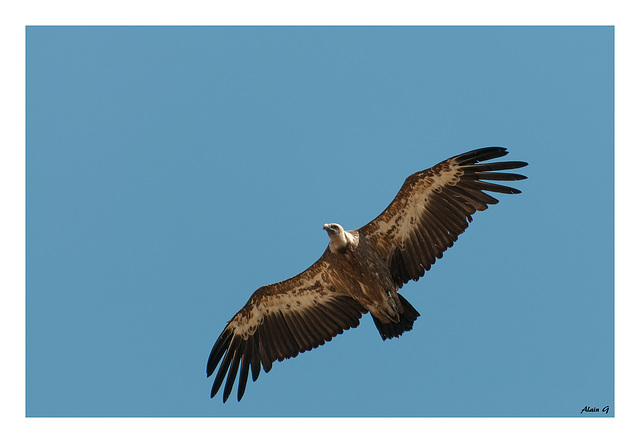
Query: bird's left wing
(279, 321)
(433, 207)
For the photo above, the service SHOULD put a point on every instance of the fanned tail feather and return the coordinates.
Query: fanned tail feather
(390, 330)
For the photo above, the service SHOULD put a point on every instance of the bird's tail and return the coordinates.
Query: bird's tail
(391, 329)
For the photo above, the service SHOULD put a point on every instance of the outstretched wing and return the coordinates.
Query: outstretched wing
(279, 321)
(433, 208)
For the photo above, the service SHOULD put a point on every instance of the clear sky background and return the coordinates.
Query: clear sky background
(172, 171)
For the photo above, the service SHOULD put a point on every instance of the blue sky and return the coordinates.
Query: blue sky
(172, 171)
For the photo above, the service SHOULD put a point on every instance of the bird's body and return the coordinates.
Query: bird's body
(360, 271)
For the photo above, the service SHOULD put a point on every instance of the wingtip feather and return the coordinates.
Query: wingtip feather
(482, 154)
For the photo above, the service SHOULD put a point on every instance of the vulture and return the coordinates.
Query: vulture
(361, 270)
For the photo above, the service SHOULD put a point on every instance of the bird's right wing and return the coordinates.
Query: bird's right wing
(279, 321)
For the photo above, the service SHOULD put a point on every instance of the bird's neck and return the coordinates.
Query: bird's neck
(340, 242)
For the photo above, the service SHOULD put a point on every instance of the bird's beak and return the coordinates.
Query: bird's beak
(326, 227)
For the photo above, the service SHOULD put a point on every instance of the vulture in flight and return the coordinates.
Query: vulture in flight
(361, 270)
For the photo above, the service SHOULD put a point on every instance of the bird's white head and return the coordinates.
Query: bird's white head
(333, 229)
(339, 239)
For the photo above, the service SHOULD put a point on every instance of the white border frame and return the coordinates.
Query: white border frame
(332, 12)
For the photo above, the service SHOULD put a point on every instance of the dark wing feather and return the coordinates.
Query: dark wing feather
(278, 322)
(434, 207)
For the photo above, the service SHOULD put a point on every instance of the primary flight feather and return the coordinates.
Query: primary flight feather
(361, 270)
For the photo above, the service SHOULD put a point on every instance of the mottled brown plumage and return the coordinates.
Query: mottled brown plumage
(361, 270)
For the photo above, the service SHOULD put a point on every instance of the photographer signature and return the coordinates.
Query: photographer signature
(592, 409)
